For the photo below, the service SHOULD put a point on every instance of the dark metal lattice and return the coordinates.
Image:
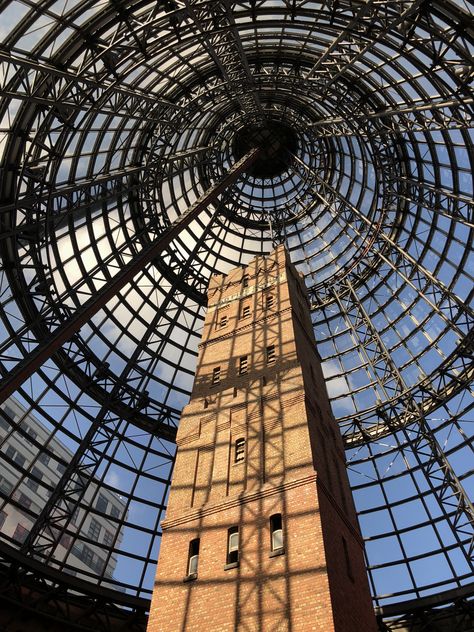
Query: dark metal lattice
(116, 118)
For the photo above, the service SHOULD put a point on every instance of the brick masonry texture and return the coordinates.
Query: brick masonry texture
(293, 465)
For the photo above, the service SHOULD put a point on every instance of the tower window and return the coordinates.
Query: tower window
(269, 301)
(222, 321)
(347, 559)
(233, 545)
(243, 365)
(216, 375)
(239, 451)
(245, 311)
(193, 558)
(271, 354)
(245, 280)
(276, 532)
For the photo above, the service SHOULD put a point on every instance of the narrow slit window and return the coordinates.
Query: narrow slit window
(222, 321)
(193, 557)
(245, 312)
(271, 357)
(243, 365)
(269, 301)
(239, 451)
(347, 559)
(216, 375)
(276, 532)
(233, 545)
(245, 280)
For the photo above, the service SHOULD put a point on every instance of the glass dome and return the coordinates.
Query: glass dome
(116, 117)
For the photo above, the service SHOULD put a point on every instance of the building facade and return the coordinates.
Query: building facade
(261, 532)
(46, 458)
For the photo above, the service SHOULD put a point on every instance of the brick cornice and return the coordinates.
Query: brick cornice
(236, 502)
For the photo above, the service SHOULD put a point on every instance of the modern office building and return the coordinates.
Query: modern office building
(81, 545)
(146, 147)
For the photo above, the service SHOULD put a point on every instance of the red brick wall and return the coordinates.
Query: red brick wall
(294, 465)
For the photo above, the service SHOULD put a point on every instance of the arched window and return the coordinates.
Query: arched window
(233, 545)
(276, 532)
(193, 557)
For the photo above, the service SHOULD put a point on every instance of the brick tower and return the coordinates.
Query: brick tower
(261, 533)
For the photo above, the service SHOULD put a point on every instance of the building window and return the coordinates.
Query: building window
(102, 503)
(216, 375)
(276, 532)
(20, 534)
(245, 311)
(5, 485)
(3, 517)
(65, 540)
(239, 451)
(9, 411)
(233, 545)
(87, 555)
(4, 425)
(108, 538)
(43, 458)
(24, 500)
(114, 511)
(15, 456)
(94, 529)
(193, 558)
(75, 516)
(31, 433)
(243, 365)
(61, 467)
(245, 280)
(347, 559)
(269, 301)
(222, 323)
(37, 473)
(271, 354)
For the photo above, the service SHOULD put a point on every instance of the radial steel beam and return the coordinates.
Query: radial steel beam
(74, 194)
(446, 486)
(81, 471)
(221, 38)
(432, 289)
(49, 85)
(46, 348)
(369, 26)
(438, 115)
(457, 207)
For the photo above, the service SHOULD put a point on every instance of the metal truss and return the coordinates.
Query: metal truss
(116, 120)
(402, 414)
(55, 517)
(44, 597)
(429, 117)
(66, 92)
(65, 329)
(221, 38)
(453, 609)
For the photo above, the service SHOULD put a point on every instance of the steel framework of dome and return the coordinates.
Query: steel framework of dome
(117, 117)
